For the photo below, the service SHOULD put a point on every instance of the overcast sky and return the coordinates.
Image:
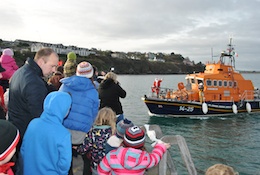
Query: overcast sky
(191, 28)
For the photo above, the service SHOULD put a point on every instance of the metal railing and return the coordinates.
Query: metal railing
(166, 165)
(249, 95)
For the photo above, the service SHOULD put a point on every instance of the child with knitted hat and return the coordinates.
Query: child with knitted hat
(8, 63)
(115, 140)
(85, 103)
(10, 136)
(131, 157)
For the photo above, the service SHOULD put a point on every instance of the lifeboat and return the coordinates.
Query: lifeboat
(219, 90)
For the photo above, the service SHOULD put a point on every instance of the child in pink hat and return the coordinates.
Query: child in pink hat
(8, 63)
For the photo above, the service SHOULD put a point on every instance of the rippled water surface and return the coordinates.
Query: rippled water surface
(234, 140)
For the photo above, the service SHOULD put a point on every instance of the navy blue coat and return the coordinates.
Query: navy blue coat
(26, 95)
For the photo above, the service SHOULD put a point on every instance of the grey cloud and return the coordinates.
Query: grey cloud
(187, 27)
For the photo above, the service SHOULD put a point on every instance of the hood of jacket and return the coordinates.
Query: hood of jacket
(135, 155)
(56, 106)
(78, 83)
(106, 83)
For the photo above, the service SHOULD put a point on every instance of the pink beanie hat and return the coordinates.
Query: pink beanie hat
(8, 52)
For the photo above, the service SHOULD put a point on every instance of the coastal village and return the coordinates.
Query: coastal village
(34, 46)
(138, 60)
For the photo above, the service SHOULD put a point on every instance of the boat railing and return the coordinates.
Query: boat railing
(187, 95)
(250, 95)
(257, 93)
(160, 91)
(171, 94)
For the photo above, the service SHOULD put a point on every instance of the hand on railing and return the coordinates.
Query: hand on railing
(152, 136)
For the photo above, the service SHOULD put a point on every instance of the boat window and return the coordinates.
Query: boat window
(209, 82)
(225, 83)
(230, 83)
(200, 81)
(188, 85)
(235, 84)
(192, 80)
(226, 93)
(219, 83)
(215, 82)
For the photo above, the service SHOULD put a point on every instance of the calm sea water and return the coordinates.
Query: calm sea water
(234, 140)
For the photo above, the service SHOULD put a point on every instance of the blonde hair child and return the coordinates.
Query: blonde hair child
(106, 116)
(103, 128)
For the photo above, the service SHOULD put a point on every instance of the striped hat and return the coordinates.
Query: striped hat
(134, 137)
(121, 126)
(9, 136)
(84, 69)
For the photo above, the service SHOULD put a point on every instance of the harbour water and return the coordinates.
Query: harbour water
(233, 140)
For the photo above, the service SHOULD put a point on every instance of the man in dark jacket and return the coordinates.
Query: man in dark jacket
(28, 88)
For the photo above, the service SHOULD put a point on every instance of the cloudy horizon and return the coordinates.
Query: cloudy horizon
(190, 28)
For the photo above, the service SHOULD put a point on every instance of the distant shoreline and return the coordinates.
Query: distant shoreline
(243, 71)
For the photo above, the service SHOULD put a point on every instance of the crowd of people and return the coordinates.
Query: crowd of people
(55, 112)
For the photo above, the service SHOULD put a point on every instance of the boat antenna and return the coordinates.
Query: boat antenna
(231, 52)
(212, 54)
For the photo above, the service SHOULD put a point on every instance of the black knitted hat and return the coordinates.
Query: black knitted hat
(9, 138)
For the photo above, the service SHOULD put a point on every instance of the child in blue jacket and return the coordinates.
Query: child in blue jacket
(46, 146)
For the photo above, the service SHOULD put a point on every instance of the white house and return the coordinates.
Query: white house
(60, 49)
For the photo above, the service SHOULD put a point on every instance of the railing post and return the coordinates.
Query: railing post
(186, 155)
(163, 165)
